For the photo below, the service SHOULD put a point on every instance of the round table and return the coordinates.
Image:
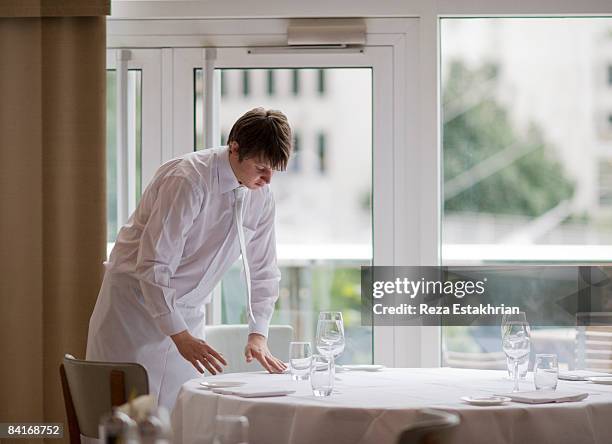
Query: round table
(373, 407)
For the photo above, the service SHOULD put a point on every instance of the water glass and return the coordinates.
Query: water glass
(546, 372)
(231, 429)
(300, 360)
(322, 373)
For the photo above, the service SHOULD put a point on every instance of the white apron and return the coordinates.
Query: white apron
(121, 330)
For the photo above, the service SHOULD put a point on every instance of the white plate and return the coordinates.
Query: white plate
(607, 380)
(485, 400)
(221, 384)
(364, 367)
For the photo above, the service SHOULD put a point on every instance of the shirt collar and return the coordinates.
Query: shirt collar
(227, 179)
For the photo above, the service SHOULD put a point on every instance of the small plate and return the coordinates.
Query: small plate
(604, 380)
(364, 367)
(485, 400)
(221, 384)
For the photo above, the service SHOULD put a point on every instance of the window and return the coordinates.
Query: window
(134, 127)
(321, 82)
(246, 83)
(270, 84)
(223, 84)
(296, 156)
(295, 82)
(322, 153)
(605, 183)
(523, 181)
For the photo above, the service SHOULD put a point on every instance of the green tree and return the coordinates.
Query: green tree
(477, 128)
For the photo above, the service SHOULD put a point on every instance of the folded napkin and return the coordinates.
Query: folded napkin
(253, 392)
(581, 375)
(545, 396)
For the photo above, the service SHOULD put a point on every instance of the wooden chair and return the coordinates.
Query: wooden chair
(92, 388)
(430, 427)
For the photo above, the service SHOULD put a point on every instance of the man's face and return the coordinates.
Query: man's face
(252, 173)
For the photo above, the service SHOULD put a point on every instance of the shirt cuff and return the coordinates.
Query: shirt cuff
(171, 323)
(260, 326)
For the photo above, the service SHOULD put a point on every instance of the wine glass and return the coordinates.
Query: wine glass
(330, 334)
(516, 344)
(524, 362)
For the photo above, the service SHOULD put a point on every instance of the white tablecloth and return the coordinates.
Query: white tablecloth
(375, 407)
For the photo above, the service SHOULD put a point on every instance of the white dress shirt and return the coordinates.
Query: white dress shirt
(182, 239)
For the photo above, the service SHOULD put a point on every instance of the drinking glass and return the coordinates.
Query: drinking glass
(322, 375)
(231, 429)
(300, 360)
(524, 362)
(516, 345)
(330, 333)
(545, 372)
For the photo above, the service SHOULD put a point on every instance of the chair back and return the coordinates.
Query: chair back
(92, 388)
(430, 427)
(476, 360)
(229, 340)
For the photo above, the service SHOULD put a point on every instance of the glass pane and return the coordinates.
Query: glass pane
(135, 119)
(111, 155)
(198, 107)
(526, 154)
(323, 200)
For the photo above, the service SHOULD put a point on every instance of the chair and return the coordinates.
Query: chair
(229, 340)
(594, 342)
(430, 427)
(92, 388)
(478, 360)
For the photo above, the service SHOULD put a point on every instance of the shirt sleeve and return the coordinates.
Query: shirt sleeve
(173, 212)
(265, 275)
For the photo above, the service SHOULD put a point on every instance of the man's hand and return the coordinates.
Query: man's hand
(198, 352)
(257, 347)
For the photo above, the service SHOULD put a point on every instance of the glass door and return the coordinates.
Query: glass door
(324, 201)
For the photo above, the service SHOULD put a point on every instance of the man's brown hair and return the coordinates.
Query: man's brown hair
(264, 134)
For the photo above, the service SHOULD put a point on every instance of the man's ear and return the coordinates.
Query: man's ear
(233, 147)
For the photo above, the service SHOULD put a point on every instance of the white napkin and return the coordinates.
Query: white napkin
(253, 392)
(545, 396)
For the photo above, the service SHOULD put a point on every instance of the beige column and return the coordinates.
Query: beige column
(74, 190)
(21, 221)
(52, 195)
